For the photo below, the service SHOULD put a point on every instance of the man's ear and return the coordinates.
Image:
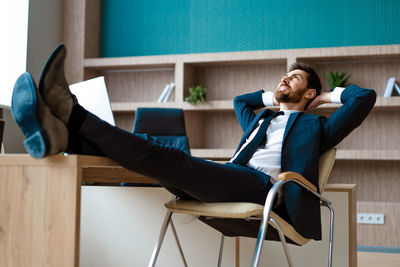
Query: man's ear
(310, 93)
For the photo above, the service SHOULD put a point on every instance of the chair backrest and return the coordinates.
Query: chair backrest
(165, 126)
(326, 161)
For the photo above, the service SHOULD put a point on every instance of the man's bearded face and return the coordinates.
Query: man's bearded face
(292, 87)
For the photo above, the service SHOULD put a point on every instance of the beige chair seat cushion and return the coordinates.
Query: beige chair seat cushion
(235, 210)
(217, 209)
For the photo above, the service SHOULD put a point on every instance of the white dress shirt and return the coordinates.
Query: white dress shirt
(267, 159)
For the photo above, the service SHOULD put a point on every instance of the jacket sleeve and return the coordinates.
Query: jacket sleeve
(245, 105)
(357, 103)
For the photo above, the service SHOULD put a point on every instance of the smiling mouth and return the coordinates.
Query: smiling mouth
(283, 87)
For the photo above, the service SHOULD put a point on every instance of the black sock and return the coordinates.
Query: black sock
(78, 116)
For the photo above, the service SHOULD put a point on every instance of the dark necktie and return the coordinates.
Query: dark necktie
(248, 151)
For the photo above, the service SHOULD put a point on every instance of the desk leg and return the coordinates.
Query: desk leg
(39, 215)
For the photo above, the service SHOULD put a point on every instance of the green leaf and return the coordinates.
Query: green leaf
(196, 94)
(334, 79)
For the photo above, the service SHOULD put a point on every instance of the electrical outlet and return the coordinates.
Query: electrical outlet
(370, 218)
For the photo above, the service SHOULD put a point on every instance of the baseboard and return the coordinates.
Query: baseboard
(378, 249)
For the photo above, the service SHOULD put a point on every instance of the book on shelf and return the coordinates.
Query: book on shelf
(166, 93)
(397, 88)
(390, 85)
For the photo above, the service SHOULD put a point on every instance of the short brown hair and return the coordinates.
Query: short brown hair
(313, 80)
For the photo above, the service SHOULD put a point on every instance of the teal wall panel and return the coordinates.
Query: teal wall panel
(160, 27)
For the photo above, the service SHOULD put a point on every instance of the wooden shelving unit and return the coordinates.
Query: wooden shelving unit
(341, 154)
(382, 104)
(212, 128)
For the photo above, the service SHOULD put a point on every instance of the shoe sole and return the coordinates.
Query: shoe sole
(23, 109)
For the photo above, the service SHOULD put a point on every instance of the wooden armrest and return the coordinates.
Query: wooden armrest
(284, 176)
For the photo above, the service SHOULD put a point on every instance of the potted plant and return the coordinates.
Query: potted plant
(196, 94)
(337, 80)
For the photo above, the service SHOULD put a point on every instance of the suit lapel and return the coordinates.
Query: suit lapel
(292, 119)
(262, 114)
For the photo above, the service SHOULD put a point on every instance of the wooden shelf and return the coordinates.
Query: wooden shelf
(382, 104)
(129, 62)
(207, 153)
(133, 106)
(310, 54)
(387, 103)
(208, 106)
(379, 155)
(341, 154)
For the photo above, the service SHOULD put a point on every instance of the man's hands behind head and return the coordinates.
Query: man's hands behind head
(323, 98)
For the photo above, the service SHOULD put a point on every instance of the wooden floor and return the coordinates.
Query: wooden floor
(372, 259)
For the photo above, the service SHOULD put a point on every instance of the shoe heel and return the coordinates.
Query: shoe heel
(35, 145)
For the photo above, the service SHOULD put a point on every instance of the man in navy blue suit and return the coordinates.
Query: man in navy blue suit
(53, 122)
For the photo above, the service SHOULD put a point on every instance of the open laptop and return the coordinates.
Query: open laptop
(93, 96)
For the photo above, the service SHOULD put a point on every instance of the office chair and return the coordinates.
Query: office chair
(162, 125)
(251, 211)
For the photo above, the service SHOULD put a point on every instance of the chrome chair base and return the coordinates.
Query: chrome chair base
(168, 221)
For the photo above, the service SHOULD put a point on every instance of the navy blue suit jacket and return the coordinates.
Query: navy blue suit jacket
(306, 137)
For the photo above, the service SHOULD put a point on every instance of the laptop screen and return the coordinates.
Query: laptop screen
(92, 95)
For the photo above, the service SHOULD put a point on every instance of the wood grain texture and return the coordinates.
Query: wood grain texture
(39, 207)
(224, 82)
(214, 154)
(74, 39)
(125, 121)
(351, 189)
(367, 72)
(343, 154)
(110, 175)
(368, 154)
(384, 235)
(179, 83)
(376, 180)
(372, 259)
(279, 55)
(382, 104)
(376, 132)
(138, 86)
(92, 28)
(237, 251)
(212, 130)
(221, 105)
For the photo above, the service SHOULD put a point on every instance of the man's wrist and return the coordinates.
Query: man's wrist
(335, 95)
(268, 98)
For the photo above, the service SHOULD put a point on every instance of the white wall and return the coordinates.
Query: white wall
(44, 33)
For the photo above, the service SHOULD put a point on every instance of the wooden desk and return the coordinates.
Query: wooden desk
(40, 203)
(40, 206)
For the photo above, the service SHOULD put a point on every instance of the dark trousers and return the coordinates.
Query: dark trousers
(183, 175)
